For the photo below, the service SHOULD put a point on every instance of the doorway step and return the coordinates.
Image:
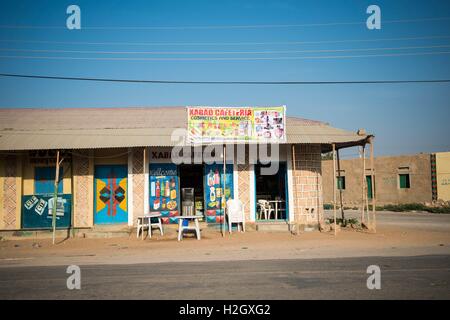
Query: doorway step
(272, 226)
(105, 231)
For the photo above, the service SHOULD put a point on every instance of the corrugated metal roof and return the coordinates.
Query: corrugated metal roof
(79, 128)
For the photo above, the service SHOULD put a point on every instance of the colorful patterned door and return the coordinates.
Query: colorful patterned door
(110, 194)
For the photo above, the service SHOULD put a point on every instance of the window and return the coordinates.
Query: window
(340, 183)
(404, 181)
(44, 180)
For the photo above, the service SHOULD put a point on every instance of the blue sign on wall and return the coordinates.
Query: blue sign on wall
(37, 211)
(164, 191)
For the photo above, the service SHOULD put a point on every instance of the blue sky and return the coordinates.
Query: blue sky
(408, 118)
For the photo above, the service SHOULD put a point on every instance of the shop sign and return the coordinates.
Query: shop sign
(246, 124)
(47, 157)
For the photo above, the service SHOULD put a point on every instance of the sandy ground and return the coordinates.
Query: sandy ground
(390, 240)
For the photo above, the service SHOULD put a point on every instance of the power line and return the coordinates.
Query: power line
(222, 43)
(223, 82)
(220, 52)
(255, 26)
(227, 58)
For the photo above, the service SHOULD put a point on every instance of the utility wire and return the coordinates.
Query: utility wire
(256, 26)
(223, 82)
(222, 43)
(220, 52)
(227, 58)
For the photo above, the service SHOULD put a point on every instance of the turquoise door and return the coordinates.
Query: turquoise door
(110, 194)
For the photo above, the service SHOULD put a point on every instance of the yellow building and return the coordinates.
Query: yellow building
(443, 175)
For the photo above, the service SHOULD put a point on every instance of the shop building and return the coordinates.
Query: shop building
(117, 164)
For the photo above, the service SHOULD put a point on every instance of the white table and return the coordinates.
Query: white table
(142, 224)
(182, 228)
(276, 202)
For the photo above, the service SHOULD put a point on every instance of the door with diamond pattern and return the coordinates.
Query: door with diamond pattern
(110, 194)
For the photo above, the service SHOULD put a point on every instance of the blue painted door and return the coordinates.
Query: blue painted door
(110, 194)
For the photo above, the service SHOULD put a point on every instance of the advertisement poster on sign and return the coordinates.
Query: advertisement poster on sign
(246, 124)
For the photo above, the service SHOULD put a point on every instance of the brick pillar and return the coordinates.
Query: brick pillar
(307, 179)
(138, 181)
(83, 192)
(244, 187)
(11, 193)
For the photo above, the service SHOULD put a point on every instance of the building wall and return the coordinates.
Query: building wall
(307, 188)
(10, 191)
(387, 185)
(83, 188)
(443, 175)
(138, 182)
(17, 179)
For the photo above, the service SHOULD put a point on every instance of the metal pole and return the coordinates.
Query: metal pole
(224, 204)
(334, 186)
(55, 196)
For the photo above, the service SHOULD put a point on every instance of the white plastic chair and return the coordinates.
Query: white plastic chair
(265, 209)
(235, 214)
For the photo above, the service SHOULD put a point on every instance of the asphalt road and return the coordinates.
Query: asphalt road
(423, 277)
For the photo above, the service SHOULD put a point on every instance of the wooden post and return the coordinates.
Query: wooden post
(296, 225)
(366, 190)
(340, 189)
(372, 174)
(224, 202)
(362, 152)
(55, 197)
(334, 185)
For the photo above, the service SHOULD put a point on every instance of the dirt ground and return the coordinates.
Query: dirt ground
(388, 241)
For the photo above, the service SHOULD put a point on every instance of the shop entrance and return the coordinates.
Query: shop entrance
(191, 176)
(271, 194)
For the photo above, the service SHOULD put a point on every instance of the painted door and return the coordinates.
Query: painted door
(110, 194)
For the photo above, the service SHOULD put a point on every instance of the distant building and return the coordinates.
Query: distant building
(420, 178)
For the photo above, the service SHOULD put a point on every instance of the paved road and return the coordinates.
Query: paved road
(423, 277)
(414, 220)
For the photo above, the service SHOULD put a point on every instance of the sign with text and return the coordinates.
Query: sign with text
(246, 124)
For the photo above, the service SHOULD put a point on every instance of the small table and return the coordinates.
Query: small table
(141, 224)
(276, 206)
(182, 228)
